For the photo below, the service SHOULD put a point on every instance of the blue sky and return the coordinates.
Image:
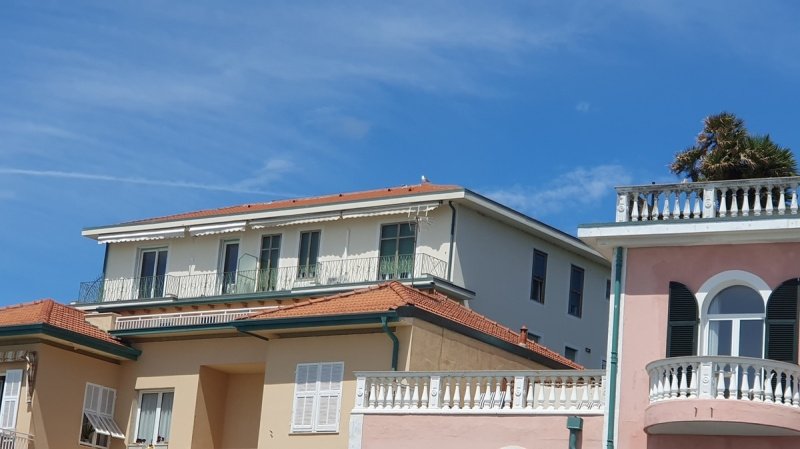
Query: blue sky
(113, 111)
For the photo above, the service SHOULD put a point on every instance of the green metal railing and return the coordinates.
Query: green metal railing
(323, 273)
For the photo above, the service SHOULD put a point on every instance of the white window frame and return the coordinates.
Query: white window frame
(317, 394)
(160, 393)
(9, 398)
(100, 416)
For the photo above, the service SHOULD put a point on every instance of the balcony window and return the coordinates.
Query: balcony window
(229, 262)
(154, 417)
(152, 273)
(736, 323)
(575, 307)
(308, 255)
(9, 398)
(397, 247)
(538, 276)
(268, 262)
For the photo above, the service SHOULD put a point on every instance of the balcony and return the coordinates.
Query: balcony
(704, 200)
(162, 320)
(723, 396)
(282, 279)
(10, 439)
(480, 392)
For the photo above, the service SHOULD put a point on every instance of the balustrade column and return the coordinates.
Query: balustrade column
(434, 395)
(361, 383)
(519, 392)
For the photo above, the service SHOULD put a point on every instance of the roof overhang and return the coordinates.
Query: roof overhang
(769, 229)
(69, 338)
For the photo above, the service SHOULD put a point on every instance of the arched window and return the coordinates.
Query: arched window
(735, 323)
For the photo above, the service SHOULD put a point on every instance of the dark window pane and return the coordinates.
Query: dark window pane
(148, 263)
(388, 231)
(576, 292)
(231, 257)
(538, 278)
(737, 299)
(407, 229)
(161, 266)
(406, 246)
(571, 353)
(304, 239)
(314, 251)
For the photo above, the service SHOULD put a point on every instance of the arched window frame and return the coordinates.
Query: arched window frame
(714, 285)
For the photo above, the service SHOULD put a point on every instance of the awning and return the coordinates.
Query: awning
(224, 228)
(277, 222)
(410, 211)
(104, 424)
(161, 234)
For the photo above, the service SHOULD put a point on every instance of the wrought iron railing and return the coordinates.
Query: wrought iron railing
(323, 273)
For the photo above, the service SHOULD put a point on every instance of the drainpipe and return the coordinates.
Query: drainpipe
(395, 341)
(574, 425)
(452, 241)
(612, 371)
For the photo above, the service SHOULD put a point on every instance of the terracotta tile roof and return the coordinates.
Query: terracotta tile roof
(47, 311)
(390, 192)
(393, 295)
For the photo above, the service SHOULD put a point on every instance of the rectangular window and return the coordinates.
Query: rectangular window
(229, 265)
(603, 364)
(538, 276)
(98, 426)
(317, 397)
(268, 262)
(154, 417)
(570, 353)
(608, 288)
(575, 292)
(152, 273)
(9, 398)
(308, 254)
(535, 337)
(396, 252)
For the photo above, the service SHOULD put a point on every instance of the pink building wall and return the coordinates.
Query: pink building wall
(476, 432)
(644, 327)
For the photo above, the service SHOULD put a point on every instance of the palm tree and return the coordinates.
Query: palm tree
(725, 150)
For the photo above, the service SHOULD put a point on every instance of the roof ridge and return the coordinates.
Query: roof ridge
(308, 301)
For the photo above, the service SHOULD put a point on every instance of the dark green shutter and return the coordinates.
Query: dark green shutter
(682, 325)
(781, 341)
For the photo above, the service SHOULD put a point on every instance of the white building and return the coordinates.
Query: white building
(445, 238)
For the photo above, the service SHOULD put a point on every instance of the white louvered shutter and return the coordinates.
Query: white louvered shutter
(9, 403)
(330, 393)
(305, 391)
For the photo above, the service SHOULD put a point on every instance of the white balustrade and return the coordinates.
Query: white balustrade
(10, 439)
(696, 200)
(481, 392)
(725, 378)
(185, 318)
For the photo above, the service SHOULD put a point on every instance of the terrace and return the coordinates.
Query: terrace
(328, 273)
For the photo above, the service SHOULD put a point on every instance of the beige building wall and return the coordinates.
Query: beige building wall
(434, 348)
(61, 378)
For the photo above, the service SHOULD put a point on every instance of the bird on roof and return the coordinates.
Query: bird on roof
(425, 180)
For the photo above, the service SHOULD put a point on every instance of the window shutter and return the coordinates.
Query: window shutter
(682, 325)
(781, 341)
(305, 390)
(330, 393)
(9, 403)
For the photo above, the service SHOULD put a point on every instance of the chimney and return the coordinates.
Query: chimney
(523, 336)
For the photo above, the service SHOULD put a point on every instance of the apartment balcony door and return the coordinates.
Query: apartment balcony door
(152, 273)
(736, 323)
(308, 255)
(396, 253)
(268, 269)
(230, 263)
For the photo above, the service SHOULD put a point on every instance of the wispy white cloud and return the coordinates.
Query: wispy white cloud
(273, 170)
(580, 187)
(134, 180)
(583, 107)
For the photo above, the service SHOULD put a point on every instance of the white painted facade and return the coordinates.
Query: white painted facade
(490, 265)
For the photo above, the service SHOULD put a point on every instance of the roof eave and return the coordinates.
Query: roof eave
(113, 349)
